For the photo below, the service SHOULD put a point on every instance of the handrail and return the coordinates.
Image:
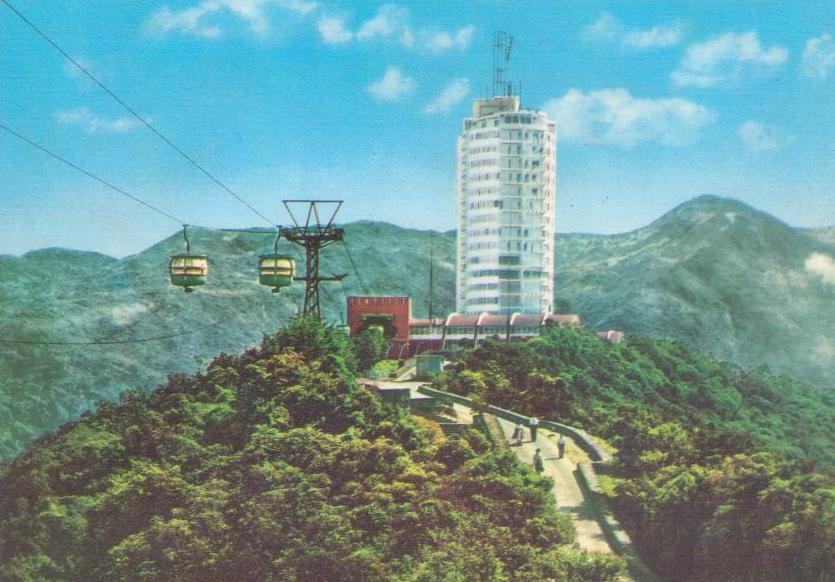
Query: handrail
(583, 439)
(617, 538)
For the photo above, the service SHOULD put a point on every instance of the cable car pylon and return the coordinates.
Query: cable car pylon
(313, 235)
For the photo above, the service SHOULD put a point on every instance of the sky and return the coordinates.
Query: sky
(655, 103)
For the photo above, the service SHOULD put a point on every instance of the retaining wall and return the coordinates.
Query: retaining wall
(584, 440)
(586, 475)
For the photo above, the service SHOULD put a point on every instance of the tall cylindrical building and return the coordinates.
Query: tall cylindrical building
(506, 209)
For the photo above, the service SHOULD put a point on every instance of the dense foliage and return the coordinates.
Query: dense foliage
(371, 347)
(715, 473)
(275, 465)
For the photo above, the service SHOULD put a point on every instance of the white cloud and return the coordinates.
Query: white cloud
(393, 86)
(332, 30)
(656, 37)
(606, 27)
(440, 41)
(819, 56)
(821, 265)
(758, 137)
(389, 21)
(610, 29)
(452, 94)
(614, 116)
(724, 58)
(92, 124)
(392, 23)
(197, 20)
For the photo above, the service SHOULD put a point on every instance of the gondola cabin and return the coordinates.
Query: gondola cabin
(276, 271)
(188, 271)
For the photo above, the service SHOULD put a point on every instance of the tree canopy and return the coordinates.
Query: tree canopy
(276, 465)
(715, 475)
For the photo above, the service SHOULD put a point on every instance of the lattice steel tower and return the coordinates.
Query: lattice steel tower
(313, 235)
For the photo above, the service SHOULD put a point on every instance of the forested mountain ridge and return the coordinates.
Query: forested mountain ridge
(825, 234)
(58, 295)
(713, 272)
(717, 274)
(277, 465)
(712, 475)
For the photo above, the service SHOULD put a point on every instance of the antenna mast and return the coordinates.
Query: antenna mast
(502, 46)
(313, 235)
(431, 273)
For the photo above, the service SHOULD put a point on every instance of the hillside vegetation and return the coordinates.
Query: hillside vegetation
(715, 472)
(717, 274)
(714, 273)
(275, 465)
(56, 295)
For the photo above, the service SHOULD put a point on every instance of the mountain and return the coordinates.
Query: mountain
(713, 272)
(717, 274)
(277, 465)
(825, 234)
(56, 295)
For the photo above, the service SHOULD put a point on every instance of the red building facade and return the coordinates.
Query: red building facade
(392, 313)
(410, 336)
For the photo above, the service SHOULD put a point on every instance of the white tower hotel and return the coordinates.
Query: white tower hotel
(506, 203)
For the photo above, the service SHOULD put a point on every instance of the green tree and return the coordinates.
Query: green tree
(371, 346)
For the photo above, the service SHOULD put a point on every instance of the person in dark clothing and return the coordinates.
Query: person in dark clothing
(518, 432)
(534, 424)
(561, 445)
(538, 464)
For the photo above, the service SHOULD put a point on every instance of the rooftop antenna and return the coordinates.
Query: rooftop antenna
(313, 234)
(431, 274)
(502, 47)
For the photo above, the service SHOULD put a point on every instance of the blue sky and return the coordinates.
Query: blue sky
(655, 103)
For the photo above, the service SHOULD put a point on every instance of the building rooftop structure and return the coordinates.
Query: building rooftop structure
(411, 336)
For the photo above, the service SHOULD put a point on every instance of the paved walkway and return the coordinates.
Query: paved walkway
(567, 491)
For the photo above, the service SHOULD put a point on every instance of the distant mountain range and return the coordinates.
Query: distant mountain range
(713, 272)
(719, 275)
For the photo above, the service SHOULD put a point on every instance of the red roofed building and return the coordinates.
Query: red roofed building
(411, 336)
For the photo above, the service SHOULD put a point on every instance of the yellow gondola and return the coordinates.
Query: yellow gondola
(188, 270)
(276, 270)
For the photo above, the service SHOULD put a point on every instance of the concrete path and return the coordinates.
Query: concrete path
(567, 491)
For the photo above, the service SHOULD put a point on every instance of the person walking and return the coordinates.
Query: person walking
(533, 423)
(518, 432)
(561, 445)
(538, 464)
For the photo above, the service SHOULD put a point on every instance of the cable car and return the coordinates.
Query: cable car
(188, 270)
(276, 270)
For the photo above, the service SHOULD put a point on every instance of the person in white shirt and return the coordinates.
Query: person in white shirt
(534, 424)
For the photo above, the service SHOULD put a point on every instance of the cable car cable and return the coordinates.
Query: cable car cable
(121, 191)
(354, 265)
(132, 111)
(86, 173)
(113, 342)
